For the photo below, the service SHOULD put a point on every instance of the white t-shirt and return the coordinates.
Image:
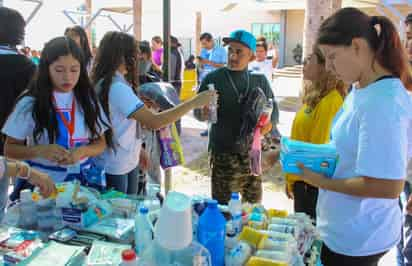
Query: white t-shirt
(371, 137)
(122, 103)
(264, 67)
(20, 125)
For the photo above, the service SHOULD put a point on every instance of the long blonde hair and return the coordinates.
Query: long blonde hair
(313, 92)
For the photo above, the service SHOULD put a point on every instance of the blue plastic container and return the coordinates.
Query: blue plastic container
(212, 231)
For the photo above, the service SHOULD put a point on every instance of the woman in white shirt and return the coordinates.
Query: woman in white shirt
(57, 123)
(115, 76)
(358, 215)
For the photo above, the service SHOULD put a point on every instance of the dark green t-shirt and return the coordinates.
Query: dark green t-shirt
(226, 131)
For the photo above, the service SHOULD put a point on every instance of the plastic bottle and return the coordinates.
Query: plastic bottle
(27, 219)
(46, 215)
(143, 231)
(235, 208)
(129, 258)
(212, 106)
(212, 232)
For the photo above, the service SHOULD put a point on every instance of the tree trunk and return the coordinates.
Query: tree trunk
(137, 19)
(315, 13)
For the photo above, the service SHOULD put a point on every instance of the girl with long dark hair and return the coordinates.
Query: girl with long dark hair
(78, 34)
(57, 123)
(115, 76)
(358, 213)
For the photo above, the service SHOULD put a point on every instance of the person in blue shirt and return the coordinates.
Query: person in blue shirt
(211, 58)
(358, 214)
(404, 248)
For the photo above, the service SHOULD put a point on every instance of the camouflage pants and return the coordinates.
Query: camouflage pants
(231, 173)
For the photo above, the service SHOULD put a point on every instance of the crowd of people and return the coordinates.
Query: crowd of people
(70, 108)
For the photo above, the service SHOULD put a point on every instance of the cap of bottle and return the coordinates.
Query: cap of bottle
(143, 210)
(128, 255)
(212, 204)
(235, 196)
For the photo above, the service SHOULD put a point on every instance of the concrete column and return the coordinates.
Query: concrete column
(282, 41)
(88, 5)
(316, 11)
(198, 32)
(336, 5)
(137, 19)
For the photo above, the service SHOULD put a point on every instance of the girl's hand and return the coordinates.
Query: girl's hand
(43, 181)
(289, 193)
(52, 152)
(309, 176)
(266, 129)
(74, 156)
(409, 206)
(144, 162)
(204, 98)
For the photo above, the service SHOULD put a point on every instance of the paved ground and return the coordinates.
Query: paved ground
(193, 178)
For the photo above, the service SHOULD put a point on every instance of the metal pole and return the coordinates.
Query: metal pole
(35, 11)
(166, 73)
(166, 38)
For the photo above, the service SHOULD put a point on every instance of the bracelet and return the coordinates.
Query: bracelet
(18, 171)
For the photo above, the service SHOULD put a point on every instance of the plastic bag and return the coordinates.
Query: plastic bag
(171, 151)
(162, 93)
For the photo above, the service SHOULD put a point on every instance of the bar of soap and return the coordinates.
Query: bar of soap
(256, 261)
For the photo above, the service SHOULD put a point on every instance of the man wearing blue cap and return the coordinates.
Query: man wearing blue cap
(229, 151)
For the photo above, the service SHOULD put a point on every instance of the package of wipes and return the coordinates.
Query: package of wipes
(320, 158)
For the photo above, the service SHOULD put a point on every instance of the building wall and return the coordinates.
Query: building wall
(218, 23)
(294, 33)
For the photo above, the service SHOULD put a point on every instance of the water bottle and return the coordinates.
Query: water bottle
(235, 208)
(212, 231)
(27, 219)
(143, 230)
(212, 106)
(46, 215)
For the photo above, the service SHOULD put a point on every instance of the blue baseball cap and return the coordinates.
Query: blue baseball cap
(241, 36)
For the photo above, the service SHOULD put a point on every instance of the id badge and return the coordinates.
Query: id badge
(73, 168)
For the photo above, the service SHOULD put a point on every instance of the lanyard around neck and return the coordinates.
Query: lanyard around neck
(236, 90)
(68, 124)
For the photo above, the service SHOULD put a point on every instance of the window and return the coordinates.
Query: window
(271, 31)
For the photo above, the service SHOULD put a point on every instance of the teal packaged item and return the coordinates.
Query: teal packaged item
(320, 158)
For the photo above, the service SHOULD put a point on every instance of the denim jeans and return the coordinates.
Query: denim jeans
(126, 183)
(404, 248)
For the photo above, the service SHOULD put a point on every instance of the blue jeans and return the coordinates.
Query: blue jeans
(404, 248)
(126, 183)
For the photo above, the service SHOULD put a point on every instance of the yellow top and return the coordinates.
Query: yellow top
(314, 126)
